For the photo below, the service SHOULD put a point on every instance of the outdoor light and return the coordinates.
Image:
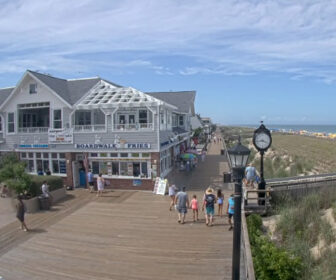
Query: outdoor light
(238, 157)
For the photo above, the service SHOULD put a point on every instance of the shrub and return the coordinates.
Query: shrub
(54, 183)
(270, 262)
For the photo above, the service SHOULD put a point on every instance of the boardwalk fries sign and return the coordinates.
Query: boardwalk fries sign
(60, 136)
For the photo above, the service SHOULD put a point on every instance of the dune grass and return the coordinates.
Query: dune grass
(311, 152)
(301, 226)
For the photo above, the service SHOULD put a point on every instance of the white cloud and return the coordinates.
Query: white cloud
(232, 37)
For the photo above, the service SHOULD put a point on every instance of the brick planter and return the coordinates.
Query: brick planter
(32, 205)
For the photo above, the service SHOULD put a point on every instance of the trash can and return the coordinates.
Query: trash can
(222, 152)
(44, 202)
(227, 177)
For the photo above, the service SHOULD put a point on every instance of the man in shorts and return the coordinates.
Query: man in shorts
(209, 204)
(182, 204)
(250, 173)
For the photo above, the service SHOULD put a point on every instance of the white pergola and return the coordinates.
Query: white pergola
(105, 95)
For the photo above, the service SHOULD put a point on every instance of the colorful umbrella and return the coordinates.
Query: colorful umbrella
(187, 156)
(190, 151)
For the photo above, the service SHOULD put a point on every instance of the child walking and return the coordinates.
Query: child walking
(220, 201)
(194, 207)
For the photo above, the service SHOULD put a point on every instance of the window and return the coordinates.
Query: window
(146, 155)
(10, 123)
(174, 120)
(181, 121)
(95, 167)
(83, 118)
(58, 163)
(142, 116)
(0, 124)
(161, 118)
(114, 154)
(144, 170)
(32, 88)
(115, 168)
(136, 169)
(103, 167)
(122, 119)
(123, 154)
(131, 119)
(58, 118)
(123, 168)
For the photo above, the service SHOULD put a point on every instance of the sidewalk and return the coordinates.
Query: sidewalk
(209, 172)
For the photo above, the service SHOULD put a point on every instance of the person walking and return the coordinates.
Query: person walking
(250, 173)
(172, 194)
(230, 210)
(90, 180)
(220, 201)
(209, 204)
(20, 213)
(194, 207)
(100, 184)
(182, 204)
(46, 193)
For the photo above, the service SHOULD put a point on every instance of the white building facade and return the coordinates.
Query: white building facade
(70, 126)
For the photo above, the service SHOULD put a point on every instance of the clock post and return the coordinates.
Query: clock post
(262, 140)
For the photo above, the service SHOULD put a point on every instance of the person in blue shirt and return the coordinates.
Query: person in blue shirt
(250, 173)
(90, 181)
(230, 210)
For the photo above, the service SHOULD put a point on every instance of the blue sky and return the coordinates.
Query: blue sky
(248, 60)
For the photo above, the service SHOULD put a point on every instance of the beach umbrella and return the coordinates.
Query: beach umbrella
(190, 151)
(187, 156)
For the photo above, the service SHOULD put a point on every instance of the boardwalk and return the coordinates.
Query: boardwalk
(125, 235)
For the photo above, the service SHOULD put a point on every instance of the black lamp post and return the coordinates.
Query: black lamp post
(238, 156)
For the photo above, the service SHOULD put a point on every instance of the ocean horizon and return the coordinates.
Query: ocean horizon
(297, 127)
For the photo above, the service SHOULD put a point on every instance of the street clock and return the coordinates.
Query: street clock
(262, 138)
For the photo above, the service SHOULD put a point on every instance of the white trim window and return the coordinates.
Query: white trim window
(58, 163)
(181, 120)
(121, 165)
(32, 88)
(57, 118)
(11, 122)
(43, 162)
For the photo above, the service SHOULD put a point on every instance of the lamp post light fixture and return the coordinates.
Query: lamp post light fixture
(238, 157)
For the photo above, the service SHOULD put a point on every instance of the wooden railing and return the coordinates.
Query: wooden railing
(246, 258)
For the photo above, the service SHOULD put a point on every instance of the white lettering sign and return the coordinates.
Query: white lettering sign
(60, 136)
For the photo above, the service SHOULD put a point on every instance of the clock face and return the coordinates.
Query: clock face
(262, 141)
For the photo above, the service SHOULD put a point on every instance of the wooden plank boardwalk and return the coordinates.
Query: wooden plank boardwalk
(125, 235)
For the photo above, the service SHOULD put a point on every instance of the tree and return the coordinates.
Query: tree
(13, 174)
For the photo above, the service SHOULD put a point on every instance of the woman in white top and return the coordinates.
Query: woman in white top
(172, 193)
(100, 184)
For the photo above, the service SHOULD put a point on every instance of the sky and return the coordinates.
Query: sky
(248, 60)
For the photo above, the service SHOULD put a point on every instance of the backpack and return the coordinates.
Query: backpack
(210, 199)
